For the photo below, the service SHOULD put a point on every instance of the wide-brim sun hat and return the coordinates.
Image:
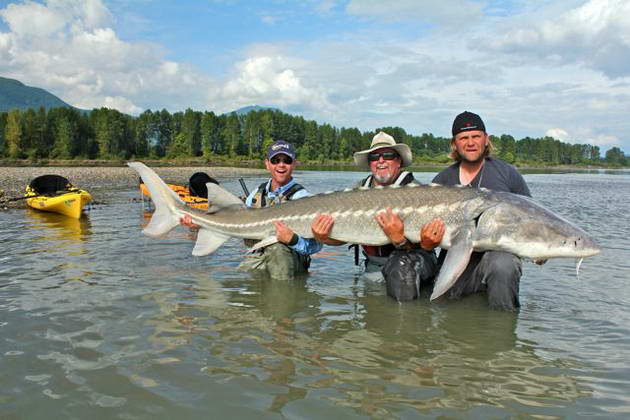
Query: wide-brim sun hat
(380, 141)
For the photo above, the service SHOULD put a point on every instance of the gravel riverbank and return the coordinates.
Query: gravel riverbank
(14, 179)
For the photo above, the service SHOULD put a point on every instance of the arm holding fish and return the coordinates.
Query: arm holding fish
(393, 226)
(294, 241)
(188, 222)
(321, 227)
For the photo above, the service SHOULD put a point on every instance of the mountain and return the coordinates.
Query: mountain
(15, 94)
(248, 109)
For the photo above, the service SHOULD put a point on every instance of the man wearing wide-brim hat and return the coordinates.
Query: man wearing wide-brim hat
(400, 263)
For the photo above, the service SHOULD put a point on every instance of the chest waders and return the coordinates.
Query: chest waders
(376, 256)
(279, 260)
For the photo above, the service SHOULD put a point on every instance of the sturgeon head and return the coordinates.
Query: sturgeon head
(515, 224)
(519, 225)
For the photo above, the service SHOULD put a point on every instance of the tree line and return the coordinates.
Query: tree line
(67, 133)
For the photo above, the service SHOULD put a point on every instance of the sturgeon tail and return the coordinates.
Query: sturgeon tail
(166, 201)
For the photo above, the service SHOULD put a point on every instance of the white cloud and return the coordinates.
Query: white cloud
(603, 140)
(558, 134)
(121, 104)
(272, 79)
(32, 18)
(596, 34)
(429, 11)
(67, 47)
(366, 77)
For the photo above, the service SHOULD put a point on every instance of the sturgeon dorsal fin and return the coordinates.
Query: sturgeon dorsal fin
(219, 198)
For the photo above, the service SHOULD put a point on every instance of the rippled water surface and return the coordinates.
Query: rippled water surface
(98, 321)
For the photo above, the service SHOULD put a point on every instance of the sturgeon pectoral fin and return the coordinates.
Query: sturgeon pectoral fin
(270, 240)
(455, 262)
(208, 242)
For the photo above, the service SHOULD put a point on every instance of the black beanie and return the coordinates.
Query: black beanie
(467, 121)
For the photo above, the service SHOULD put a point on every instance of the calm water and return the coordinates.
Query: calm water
(98, 321)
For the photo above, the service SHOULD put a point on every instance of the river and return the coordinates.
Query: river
(99, 321)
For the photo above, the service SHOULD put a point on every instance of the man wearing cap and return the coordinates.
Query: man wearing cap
(495, 272)
(405, 267)
(291, 255)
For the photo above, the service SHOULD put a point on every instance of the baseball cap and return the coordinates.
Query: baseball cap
(467, 121)
(281, 147)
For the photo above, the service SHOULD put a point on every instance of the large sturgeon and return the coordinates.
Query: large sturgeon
(476, 220)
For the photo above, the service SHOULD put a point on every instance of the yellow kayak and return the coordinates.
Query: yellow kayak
(183, 193)
(195, 194)
(53, 193)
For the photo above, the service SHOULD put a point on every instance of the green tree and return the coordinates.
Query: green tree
(179, 147)
(232, 135)
(13, 134)
(3, 124)
(508, 148)
(141, 136)
(29, 133)
(191, 128)
(267, 127)
(615, 156)
(252, 132)
(64, 139)
(211, 139)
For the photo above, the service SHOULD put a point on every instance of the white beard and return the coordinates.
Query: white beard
(384, 179)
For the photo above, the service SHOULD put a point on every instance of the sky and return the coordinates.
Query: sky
(558, 68)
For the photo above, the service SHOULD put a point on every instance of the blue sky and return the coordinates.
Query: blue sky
(529, 68)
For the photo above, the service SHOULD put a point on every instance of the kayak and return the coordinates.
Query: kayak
(184, 193)
(53, 193)
(69, 203)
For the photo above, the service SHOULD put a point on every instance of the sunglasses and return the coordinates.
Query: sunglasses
(373, 157)
(287, 160)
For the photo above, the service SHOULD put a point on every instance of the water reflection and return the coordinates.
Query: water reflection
(56, 227)
(365, 354)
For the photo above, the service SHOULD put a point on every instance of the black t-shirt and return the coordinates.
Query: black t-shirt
(496, 175)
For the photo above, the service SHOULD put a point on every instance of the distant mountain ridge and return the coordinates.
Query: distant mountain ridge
(248, 109)
(15, 94)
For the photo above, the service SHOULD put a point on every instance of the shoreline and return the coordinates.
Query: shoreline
(253, 164)
(13, 180)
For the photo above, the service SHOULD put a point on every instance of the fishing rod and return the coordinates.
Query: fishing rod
(244, 187)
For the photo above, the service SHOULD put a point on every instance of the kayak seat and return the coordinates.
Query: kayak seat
(50, 184)
(197, 184)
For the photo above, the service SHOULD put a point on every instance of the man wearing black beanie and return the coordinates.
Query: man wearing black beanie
(497, 273)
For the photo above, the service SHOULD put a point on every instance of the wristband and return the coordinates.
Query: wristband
(294, 240)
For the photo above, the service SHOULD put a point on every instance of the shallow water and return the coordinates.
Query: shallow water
(98, 321)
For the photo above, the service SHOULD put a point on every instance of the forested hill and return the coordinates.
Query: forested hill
(15, 94)
(35, 124)
(67, 133)
(246, 110)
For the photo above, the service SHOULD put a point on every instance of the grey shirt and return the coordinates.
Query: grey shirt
(496, 175)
